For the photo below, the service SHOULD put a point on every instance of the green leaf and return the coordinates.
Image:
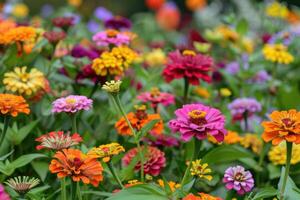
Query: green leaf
(242, 27)
(97, 193)
(251, 163)
(225, 153)
(41, 168)
(39, 189)
(147, 128)
(140, 191)
(17, 136)
(274, 171)
(6, 155)
(25, 159)
(128, 171)
(291, 192)
(265, 193)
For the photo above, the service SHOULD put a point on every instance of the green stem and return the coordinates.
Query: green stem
(289, 148)
(63, 189)
(185, 176)
(73, 190)
(74, 124)
(245, 116)
(113, 172)
(78, 191)
(120, 107)
(5, 127)
(94, 88)
(186, 90)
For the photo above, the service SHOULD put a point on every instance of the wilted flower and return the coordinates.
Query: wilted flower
(77, 165)
(238, 179)
(13, 105)
(22, 184)
(277, 154)
(197, 120)
(71, 104)
(57, 140)
(3, 194)
(188, 65)
(118, 23)
(277, 53)
(154, 160)
(252, 141)
(200, 169)
(244, 106)
(106, 151)
(24, 83)
(111, 37)
(112, 86)
(283, 125)
(54, 36)
(171, 184)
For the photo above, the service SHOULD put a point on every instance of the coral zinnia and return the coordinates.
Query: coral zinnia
(73, 163)
(24, 83)
(71, 104)
(106, 151)
(199, 121)
(188, 65)
(284, 125)
(58, 140)
(13, 105)
(154, 160)
(138, 120)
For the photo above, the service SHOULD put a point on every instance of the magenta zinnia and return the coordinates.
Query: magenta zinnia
(197, 120)
(155, 97)
(71, 104)
(111, 37)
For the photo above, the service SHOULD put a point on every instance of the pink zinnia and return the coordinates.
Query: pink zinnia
(154, 160)
(199, 121)
(188, 65)
(3, 194)
(71, 104)
(238, 179)
(108, 37)
(156, 97)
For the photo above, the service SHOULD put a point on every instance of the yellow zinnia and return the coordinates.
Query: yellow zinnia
(276, 9)
(277, 53)
(201, 170)
(277, 154)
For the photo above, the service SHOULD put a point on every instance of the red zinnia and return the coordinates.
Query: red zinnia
(188, 65)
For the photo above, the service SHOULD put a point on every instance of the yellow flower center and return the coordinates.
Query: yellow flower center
(24, 77)
(197, 117)
(111, 33)
(70, 101)
(154, 92)
(239, 177)
(189, 53)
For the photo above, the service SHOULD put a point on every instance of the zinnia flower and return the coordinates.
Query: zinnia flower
(156, 57)
(63, 22)
(252, 141)
(284, 125)
(58, 140)
(172, 185)
(232, 137)
(202, 196)
(276, 9)
(244, 106)
(202, 92)
(154, 160)
(277, 154)
(18, 34)
(54, 36)
(277, 53)
(162, 140)
(111, 37)
(199, 121)
(238, 179)
(73, 163)
(118, 23)
(188, 65)
(24, 83)
(22, 184)
(3, 194)
(201, 170)
(106, 151)
(138, 120)
(71, 104)
(13, 105)
(112, 86)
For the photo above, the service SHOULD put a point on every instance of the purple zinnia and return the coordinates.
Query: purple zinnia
(240, 107)
(93, 26)
(232, 68)
(238, 179)
(111, 36)
(71, 104)
(200, 121)
(260, 77)
(79, 51)
(102, 14)
(118, 23)
(3, 195)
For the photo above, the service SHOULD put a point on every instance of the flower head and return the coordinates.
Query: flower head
(13, 105)
(277, 53)
(3, 194)
(155, 96)
(202, 92)
(112, 86)
(283, 125)
(54, 36)
(162, 140)
(111, 37)
(225, 92)
(24, 83)
(232, 138)
(200, 169)
(18, 34)
(277, 154)
(154, 160)
(118, 23)
(199, 121)
(63, 22)
(106, 151)
(77, 165)
(57, 140)
(244, 106)
(202, 196)
(172, 185)
(238, 179)
(276, 9)
(102, 14)
(71, 104)
(188, 65)
(252, 141)
(156, 57)
(22, 184)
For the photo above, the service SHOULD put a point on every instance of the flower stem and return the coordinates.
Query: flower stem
(78, 192)
(186, 90)
(120, 107)
(63, 189)
(113, 172)
(245, 116)
(5, 127)
(94, 88)
(289, 147)
(74, 124)
(185, 176)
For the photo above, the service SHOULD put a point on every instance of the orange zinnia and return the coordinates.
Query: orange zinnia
(138, 120)
(13, 105)
(284, 125)
(74, 163)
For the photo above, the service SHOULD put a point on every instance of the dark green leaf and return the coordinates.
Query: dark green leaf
(147, 128)
(265, 193)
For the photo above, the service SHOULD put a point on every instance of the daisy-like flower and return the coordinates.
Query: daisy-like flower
(111, 37)
(277, 53)
(197, 120)
(78, 166)
(283, 125)
(18, 35)
(156, 57)
(106, 151)
(138, 120)
(252, 141)
(24, 83)
(238, 179)
(200, 169)
(155, 97)
(172, 185)
(3, 194)
(22, 184)
(276, 9)
(188, 65)
(244, 106)
(232, 137)
(57, 140)
(71, 104)
(13, 105)
(202, 92)
(154, 160)
(54, 36)
(202, 196)
(63, 22)
(112, 86)
(277, 154)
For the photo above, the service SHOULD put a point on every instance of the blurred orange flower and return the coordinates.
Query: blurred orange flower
(232, 137)
(195, 4)
(13, 105)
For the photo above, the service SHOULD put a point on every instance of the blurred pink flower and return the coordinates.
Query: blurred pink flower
(111, 36)
(3, 194)
(71, 104)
